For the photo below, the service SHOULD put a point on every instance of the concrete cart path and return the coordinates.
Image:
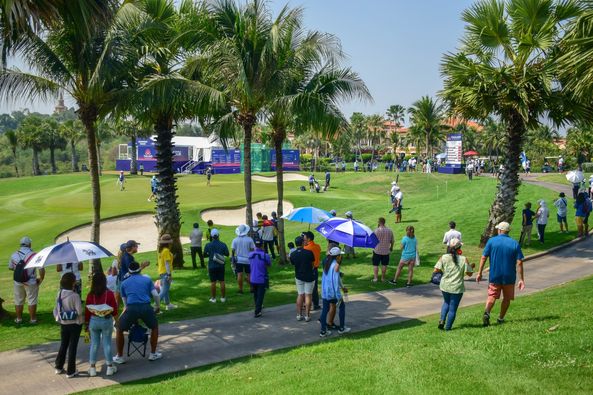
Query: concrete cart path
(193, 343)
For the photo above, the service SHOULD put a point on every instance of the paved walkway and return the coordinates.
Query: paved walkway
(199, 342)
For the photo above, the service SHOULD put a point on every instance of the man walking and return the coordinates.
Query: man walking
(451, 234)
(382, 250)
(26, 283)
(153, 185)
(397, 204)
(315, 248)
(259, 262)
(506, 258)
(302, 260)
(216, 251)
(267, 235)
(241, 246)
(195, 239)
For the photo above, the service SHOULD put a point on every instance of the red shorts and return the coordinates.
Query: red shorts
(508, 291)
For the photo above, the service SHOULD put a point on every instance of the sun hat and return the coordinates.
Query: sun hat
(335, 251)
(504, 226)
(132, 243)
(166, 239)
(242, 230)
(214, 232)
(26, 241)
(455, 243)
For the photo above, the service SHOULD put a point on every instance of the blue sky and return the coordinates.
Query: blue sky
(395, 45)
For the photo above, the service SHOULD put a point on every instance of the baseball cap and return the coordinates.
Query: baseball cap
(259, 242)
(504, 226)
(348, 213)
(393, 183)
(26, 241)
(214, 232)
(299, 240)
(132, 244)
(335, 251)
(134, 267)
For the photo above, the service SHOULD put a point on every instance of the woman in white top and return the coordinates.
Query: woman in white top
(542, 215)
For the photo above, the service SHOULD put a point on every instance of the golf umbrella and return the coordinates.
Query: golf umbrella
(67, 252)
(309, 215)
(575, 176)
(470, 153)
(442, 156)
(349, 232)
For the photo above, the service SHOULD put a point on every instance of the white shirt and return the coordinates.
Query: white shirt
(23, 253)
(543, 213)
(450, 235)
(243, 245)
(561, 205)
(393, 190)
(70, 268)
(195, 237)
(267, 233)
(399, 196)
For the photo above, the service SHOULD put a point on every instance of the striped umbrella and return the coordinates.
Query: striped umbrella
(349, 232)
(67, 252)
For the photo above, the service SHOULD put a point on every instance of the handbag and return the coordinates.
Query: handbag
(65, 315)
(417, 261)
(219, 258)
(436, 278)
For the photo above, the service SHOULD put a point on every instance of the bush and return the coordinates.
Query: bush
(366, 157)
(587, 167)
(387, 158)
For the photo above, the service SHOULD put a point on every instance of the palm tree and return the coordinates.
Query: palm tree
(375, 126)
(396, 113)
(358, 130)
(427, 123)
(73, 131)
(506, 68)
(53, 140)
(30, 135)
(13, 142)
(71, 57)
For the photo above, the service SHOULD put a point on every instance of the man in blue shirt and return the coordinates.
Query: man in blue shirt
(259, 262)
(216, 251)
(506, 258)
(136, 291)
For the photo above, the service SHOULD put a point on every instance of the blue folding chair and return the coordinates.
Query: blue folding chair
(137, 340)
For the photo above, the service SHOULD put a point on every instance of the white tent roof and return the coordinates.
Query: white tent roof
(196, 142)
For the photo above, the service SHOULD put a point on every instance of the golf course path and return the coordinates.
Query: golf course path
(193, 343)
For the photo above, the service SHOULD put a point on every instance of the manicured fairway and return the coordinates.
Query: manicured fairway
(46, 206)
(544, 347)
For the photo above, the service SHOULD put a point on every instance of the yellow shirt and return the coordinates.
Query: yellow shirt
(165, 255)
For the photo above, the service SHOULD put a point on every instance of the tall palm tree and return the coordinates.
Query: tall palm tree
(396, 113)
(64, 59)
(427, 123)
(13, 142)
(358, 130)
(53, 140)
(30, 135)
(73, 131)
(375, 126)
(506, 68)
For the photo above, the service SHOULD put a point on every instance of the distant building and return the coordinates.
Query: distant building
(60, 107)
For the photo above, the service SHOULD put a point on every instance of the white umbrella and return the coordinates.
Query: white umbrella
(68, 252)
(575, 176)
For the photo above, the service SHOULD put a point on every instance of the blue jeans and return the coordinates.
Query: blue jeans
(449, 308)
(259, 291)
(165, 287)
(325, 310)
(101, 331)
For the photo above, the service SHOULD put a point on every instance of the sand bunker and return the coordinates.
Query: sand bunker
(116, 231)
(286, 177)
(235, 217)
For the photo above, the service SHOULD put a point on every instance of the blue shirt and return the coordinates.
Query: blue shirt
(504, 253)
(153, 182)
(330, 283)
(126, 259)
(215, 247)
(137, 289)
(409, 248)
(528, 215)
(259, 261)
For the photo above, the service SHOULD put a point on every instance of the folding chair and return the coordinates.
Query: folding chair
(137, 340)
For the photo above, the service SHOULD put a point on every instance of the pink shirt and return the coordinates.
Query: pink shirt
(385, 236)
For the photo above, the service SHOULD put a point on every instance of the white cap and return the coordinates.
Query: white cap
(348, 213)
(26, 241)
(214, 232)
(455, 242)
(393, 183)
(335, 251)
(504, 226)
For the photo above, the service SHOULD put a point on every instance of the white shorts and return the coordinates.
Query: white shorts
(30, 291)
(304, 287)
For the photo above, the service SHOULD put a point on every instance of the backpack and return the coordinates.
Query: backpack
(21, 275)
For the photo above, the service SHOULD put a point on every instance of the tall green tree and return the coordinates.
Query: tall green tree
(427, 123)
(396, 113)
(30, 134)
(53, 140)
(375, 129)
(12, 139)
(506, 68)
(72, 131)
(358, 130)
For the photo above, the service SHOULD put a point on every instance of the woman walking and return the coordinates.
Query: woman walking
(165, 267)
(409, 245)
(68, 313)
(542, 215)
(331, 285)
(453, 267)
(101, 309)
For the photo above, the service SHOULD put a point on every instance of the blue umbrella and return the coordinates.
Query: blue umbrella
(309, 215)
(67, 252)
(349, 232)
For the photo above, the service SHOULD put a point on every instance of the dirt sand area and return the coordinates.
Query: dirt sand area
(235, 217)
(286, 177)
(117, 231)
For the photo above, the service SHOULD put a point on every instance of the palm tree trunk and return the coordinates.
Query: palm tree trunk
(74, 156)
(247, 122)
(52, 159)
(134, 162)
(503, 207)
(88, 116)
(278, 139)
(16, 166)
(168, 218)
(36, 170)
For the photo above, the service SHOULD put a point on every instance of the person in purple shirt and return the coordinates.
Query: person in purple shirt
(259, 261)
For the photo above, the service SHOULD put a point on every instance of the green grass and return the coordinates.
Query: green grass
(544, 347)
(557, 178)
(46, 206)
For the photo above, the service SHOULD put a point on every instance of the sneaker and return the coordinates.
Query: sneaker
(33, 322)
(325, 333)
(222, 300)
(408, 285)
(154, 356)
(346, 329)
(299, 317)
(333, 326)
(212, 300)
(171, 306)
(111, 370)
(392, 282)
(71, 376)
(486, 319)
(92, 371)
(374, 280)
(307, 318)
(441, 325)
(18, 321)
(500, 320)
(257, 315)
(59, 371)
(119, 360)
